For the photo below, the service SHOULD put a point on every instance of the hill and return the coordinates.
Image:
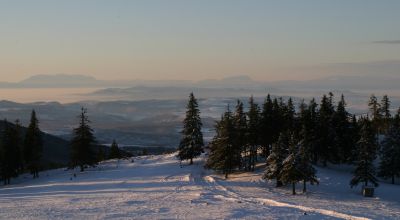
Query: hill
(154, 187)
(55, 149)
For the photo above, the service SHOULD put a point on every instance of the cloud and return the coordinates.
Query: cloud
(387, 42)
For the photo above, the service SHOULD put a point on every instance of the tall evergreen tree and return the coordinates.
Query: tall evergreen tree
(223, 153)
(114, 151)
(343, 140)
(33, 146)
(267, 126)
(367, 147)
(253, 139)
(9, 153)
(191, 145)
(389, 166)
(291, 172)
(83, 144)
(375, 112)
(385, 113)
(275, 159)
(240, 127)
(307, 143)
(326, 150)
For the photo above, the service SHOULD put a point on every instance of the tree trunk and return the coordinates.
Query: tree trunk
(279, 183)
(191, 161)
(294, 188)
(226, 175)
(82, 169)
(304, 186)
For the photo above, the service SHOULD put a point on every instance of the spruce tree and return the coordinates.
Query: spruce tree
(267, 126)
(291, 172)
(275, 159)
(223, 155)
(389, 166)
(367, 147)
(307, 143)
(253, 139)
(83, 144)
(33, 146)
(114, 151)
(10, 155)
(385, 113)
(375, 112)
(326, 150)
(343, 140)
(240, 127)
(191, 144)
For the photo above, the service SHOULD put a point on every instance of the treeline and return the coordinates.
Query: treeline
(290, 140)
(20, 153)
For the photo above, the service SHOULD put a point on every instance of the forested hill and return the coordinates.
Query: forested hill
(55, 150)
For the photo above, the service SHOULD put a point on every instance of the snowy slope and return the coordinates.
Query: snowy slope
(155, 187)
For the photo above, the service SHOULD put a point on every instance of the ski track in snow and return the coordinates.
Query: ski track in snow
(157, 187)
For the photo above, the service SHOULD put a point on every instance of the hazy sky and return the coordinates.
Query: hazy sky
(187, 39)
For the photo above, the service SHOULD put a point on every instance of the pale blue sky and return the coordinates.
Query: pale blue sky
(187, 39)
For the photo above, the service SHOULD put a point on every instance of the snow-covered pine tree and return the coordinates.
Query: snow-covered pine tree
(114, 151)
(291, 172)
(83, 144)
(223, 152)
(191, 144)
(33, 146)
(253, 139)
(266, 126)
(274, 161)
(367, 147)
(240, 126)
(389, 166)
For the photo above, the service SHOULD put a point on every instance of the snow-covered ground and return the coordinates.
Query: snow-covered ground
(156, 187)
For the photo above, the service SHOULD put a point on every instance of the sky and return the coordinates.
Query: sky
(188, 39)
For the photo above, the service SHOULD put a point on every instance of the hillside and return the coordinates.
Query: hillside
(155, 187)
(55, 149)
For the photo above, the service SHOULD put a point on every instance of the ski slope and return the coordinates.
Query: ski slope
(156, 187)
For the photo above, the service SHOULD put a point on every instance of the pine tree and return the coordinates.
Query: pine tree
(114, 151)
(326, 150)
(191, 145)
(385, 113)
(240, 127)
(10, 154)
(223, 155)
(389, 166)
(33, 146)
(267, 126)
(308, 142)
(253, 138)
(374, 109)
(343, 140)
(83, 144)
(291, 172)
(355, 136)
(277, 120)
(367, 147)
(275, 159)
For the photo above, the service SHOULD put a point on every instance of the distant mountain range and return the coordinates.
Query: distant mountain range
(348, 82)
